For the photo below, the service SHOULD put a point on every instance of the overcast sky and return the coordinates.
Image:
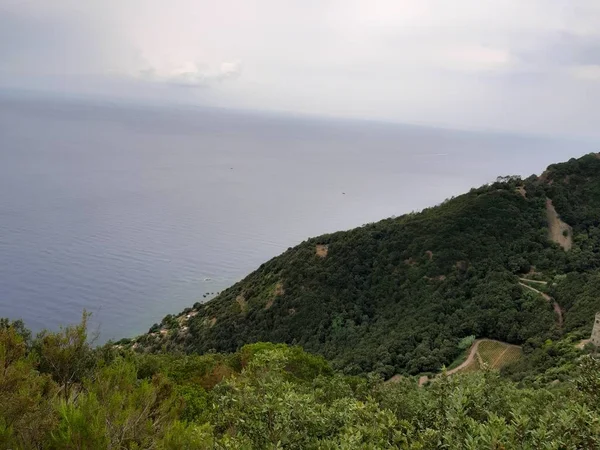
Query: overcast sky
(525, 65)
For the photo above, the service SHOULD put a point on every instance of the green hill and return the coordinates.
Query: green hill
(400, 296)
(397, 296)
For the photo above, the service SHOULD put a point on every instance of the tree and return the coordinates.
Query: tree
(26, 411)
(116, 411)
(66, 355)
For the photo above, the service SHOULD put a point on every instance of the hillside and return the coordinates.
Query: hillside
(397, 296)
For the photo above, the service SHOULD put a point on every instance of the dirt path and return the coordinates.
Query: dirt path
(470, 358)
(556, 306)
(499, 357)
(583, 343)
(533, 281)
(473, 353)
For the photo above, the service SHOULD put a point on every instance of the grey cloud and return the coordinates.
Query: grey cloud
(526, 65)
(50, 43)
(37, 43)
(562, 49)
(194, 75)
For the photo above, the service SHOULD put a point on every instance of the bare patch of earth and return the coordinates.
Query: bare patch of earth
(558, 231)
(321, 250)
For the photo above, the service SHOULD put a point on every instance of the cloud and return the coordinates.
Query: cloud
(558, 49)
(588, 72)
(478, 58)
(511, 64)
(193, 74)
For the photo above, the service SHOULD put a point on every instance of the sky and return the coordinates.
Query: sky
(518, 65)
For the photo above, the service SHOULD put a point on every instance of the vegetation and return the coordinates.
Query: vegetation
(401, 295)
(270, 396)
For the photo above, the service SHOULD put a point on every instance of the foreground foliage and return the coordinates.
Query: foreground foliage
(270, 396)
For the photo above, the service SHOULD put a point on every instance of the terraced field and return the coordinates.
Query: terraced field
(493, 354)
(498, 354)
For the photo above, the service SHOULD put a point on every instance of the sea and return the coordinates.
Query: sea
(132, 211)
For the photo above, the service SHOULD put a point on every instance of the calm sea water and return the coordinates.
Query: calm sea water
(134, 213)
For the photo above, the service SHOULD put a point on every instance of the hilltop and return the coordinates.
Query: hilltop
(399, 295)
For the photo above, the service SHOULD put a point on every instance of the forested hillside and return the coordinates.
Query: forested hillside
(399, 295)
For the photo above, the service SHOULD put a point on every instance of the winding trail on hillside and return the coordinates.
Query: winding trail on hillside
(556, 306)
(533, 281)
(472, 355)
